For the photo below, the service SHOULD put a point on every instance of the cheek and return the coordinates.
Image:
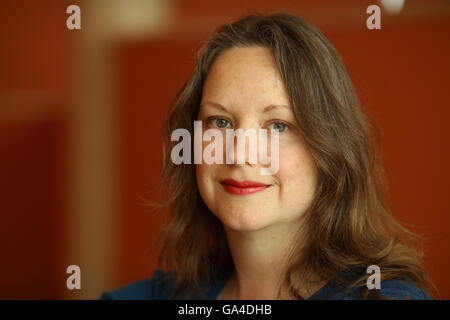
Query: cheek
(201, 172)
(205, 178)
(297, 172)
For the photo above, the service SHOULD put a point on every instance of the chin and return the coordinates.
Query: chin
(244, 220)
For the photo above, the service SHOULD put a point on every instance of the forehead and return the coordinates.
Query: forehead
(245, 75)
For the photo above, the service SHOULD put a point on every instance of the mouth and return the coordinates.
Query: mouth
(243, 187)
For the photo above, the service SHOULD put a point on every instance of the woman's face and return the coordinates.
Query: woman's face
(245, 81)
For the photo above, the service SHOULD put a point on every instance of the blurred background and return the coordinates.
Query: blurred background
(81, 113)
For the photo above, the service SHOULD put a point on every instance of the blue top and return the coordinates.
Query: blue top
(159, 288)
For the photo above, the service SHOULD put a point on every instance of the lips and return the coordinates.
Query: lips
(243, 187)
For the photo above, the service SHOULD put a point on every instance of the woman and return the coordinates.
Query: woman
(312, 229)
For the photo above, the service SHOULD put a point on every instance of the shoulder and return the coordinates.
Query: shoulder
(392, 289)
(158, 287)
(401, 289)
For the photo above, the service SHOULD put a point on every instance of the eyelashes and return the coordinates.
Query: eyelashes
(224, 123)
(219, 123)
(279, 126)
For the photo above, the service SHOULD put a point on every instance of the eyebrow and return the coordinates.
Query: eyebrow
(268, 108)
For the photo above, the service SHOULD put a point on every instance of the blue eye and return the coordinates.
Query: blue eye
(279, 126)
(221, 123)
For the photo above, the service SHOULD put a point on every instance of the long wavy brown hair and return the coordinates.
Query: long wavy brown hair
(348, 225)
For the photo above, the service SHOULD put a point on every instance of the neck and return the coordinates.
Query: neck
(260, 262)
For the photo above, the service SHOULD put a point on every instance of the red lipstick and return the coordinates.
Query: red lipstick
(243, 187)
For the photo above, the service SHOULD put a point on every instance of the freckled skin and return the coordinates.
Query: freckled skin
(245, 81)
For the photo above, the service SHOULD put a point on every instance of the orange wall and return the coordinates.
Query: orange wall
(402, 75)
(34, 64)
(148, 79)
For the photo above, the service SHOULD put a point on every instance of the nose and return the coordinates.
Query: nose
(241, 146)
